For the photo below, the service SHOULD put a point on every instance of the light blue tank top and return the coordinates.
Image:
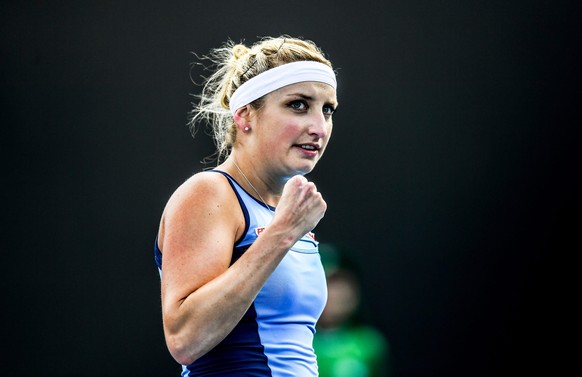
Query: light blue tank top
(275, 336)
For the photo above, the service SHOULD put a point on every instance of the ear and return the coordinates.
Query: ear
(242, 118)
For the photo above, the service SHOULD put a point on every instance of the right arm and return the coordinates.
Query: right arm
(203, 297)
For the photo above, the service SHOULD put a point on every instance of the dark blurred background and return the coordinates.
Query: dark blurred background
(453, 173)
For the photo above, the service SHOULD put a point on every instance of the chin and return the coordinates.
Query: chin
(303, 167)
(305, 170)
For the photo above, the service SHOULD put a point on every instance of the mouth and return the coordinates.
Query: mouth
(309, 147)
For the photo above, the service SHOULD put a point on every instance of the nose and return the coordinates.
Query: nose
(319, 125)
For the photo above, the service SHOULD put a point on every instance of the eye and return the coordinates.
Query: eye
(328, 110)
(298, 105)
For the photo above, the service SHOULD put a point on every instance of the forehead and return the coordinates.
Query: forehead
(316, 91)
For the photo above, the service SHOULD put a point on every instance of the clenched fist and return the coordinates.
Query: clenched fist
(301, 206)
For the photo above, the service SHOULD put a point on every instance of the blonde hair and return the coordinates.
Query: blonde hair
(233, 65)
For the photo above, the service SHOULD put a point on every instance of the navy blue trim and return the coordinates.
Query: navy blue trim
(157, 254)
(232, 182)
(240, 354)
(308, 241)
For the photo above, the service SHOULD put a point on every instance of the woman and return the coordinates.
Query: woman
(241, 278)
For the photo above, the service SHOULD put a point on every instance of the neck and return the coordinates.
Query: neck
(252, 182)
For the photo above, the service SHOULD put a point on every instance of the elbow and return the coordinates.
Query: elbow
(186, 339)
(181, 339)
(183, 352)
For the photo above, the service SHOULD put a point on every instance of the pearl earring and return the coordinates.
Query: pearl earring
(246, 129)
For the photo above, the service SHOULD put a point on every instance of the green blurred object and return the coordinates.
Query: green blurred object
(358, 351)
(345, 344)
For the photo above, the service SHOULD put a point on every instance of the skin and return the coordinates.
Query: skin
(203, 298)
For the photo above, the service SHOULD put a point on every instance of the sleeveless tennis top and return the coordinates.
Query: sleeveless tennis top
(275, 336)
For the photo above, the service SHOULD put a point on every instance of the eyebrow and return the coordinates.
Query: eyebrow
(309, 98)
(304, 96)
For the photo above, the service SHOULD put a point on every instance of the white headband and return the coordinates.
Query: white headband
(278, 77)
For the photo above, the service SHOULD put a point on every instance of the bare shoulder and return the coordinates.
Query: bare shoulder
(201, 187)
(204, 200)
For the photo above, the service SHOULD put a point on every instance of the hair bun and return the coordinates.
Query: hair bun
(239, 50)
